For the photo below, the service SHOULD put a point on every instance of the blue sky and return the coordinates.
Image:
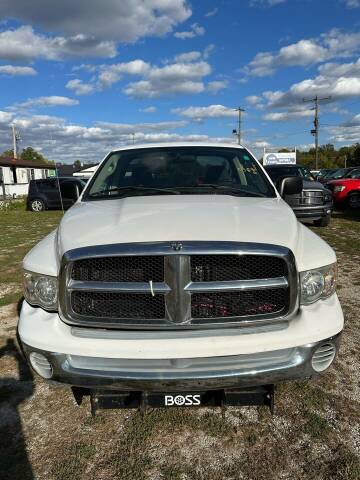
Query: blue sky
(78, 78)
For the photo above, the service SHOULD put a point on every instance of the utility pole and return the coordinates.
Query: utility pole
(238, 132)
(315, 131)
(16, 138)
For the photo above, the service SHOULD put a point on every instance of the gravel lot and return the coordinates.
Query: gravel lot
(315, 433)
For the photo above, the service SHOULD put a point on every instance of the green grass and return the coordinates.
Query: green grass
(20, 231)
(345, 465)
(316, 426)
(71, 466)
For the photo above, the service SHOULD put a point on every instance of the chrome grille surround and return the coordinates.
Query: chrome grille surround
(178, 286)
(307, 198)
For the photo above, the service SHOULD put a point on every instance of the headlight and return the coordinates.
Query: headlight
(318, 283)
(339, 188)
(41, 290)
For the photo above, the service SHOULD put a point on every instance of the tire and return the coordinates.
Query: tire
(37, 205)
(323, 222)
(354, 200)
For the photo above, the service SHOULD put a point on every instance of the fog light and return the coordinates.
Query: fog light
(41, 365)
(323, 357)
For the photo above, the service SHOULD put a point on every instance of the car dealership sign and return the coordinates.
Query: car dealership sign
(283, 158)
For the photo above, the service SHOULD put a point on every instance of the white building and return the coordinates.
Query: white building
(86, 173)
(16, 174)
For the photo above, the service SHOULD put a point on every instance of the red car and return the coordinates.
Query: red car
(346, 191)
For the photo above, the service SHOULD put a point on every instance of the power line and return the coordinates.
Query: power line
(316, 100)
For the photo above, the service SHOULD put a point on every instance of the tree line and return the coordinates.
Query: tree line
(28, 154)
(329, 156)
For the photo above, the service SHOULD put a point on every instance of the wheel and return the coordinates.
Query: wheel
(354, 200)
(323, 222)
(37, 205)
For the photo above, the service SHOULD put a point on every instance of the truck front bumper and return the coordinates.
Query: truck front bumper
(181, 360)
(190, 374)
(313, 213)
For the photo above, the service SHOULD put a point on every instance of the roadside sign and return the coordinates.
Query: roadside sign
(283, 158)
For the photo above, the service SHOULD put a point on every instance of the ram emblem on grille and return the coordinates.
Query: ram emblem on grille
(177, 246)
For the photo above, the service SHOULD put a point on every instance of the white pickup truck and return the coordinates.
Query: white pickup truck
(180, 277)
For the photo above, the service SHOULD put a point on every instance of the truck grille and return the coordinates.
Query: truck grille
(118, 305)
(238, 304)
(119, 269)
(213, 268)
(205, 284)
(306, 198)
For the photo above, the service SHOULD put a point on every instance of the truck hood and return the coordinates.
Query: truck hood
(178, 217)
(311, 185)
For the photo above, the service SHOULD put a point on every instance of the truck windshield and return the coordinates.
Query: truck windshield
(179, 170)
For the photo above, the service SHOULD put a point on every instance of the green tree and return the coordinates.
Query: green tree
(30, 154)
(8, 153)
(77, 164)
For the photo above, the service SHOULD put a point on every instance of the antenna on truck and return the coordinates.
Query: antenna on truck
(57, 177)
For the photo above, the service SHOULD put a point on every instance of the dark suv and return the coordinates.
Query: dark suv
(314, 203)
(44, 194)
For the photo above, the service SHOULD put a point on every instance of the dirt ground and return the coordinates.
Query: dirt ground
(315, 433)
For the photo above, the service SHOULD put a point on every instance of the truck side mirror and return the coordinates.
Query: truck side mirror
(70, 190)
(290, 186)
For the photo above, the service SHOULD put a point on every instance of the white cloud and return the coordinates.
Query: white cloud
(254, 100)
(111, 74)
(212, 12)
(79, 87)
(51, 101)
(340, 69)
(61, 141)
(339, 88)
(208, 51)
(125, 128)
(24, 44)
(16, 71)
(195, 31)
(352, 3)
(288, 116)
(201, 113)
(348, 132)
(106, 75)
(185, 78)
(187, 57)
(151, 109)
(65, 142)
(124, 21)
(332, 44)
(217, 85)
(5, 118)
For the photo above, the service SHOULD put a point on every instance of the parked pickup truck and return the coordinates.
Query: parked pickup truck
(180, 277)
(314, 203)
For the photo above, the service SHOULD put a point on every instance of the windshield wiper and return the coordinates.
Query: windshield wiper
(226, 188)
(133, 188)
